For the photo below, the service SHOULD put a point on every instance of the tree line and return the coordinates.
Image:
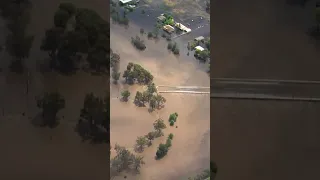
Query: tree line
(94, 120)
(77, 32)
(18, 41)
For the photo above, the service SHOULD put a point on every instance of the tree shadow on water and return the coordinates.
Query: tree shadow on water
(92, 133)
(40, 121)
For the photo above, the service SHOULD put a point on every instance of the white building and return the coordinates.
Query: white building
(125, 1)
(182, 27)
(199, 48)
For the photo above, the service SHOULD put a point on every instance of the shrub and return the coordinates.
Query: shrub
(170, 136)
(171, 123)
(168, 143)
(138, 43)
(162, 151)
(176, 51)
(150, 35)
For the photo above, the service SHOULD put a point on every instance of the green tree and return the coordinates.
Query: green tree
(152, 88)
(51, 104)
(52, 41)
(151, 136)
(115, 76)
(162, 151)
(137, 163)
(141, 142)
(170, 136)
(124, 160)
(153, 103)
(125, 95)
(160, 100)
(18, 45)
(138, 99)
(95, 112)
(159, 125)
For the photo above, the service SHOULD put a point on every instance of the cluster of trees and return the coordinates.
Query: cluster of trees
(173, 118)
(77, 32)
(150, 96)
(18, 42)
(136, 73)
(138, 43)
(164, 148)
(115, 66)
(125, 161)
(143, 141)
(202, 55)
(94, 116)
(117, 18)
(173, 46)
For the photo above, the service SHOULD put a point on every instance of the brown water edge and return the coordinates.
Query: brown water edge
(263, 39)
(190, 150)
(265, 139)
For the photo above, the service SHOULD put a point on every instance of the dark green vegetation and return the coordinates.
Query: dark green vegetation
(169, 20)
(125, 95)
(18, 42)
(77, 32)
(201, 55)
(115, 66)
(94, 122)
(156, 101)
(125, 161)
(173, 118)
(116, 16)
(137, 74)
(164, 148)
(138, 43)
(51, 104)
(173, 46)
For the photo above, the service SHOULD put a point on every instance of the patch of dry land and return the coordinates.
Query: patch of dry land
(189, 153)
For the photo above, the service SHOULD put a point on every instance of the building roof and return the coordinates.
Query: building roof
(162, 18)
(200, 38)
(182, 27)
(199, 48)
(125, 1)
(168, 28)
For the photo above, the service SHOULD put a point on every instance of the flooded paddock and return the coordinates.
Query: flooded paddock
(192, 137)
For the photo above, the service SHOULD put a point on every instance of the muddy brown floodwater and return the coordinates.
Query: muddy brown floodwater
(189, 154)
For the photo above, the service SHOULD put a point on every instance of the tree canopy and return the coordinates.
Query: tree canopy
(88, 35)
(51, 104)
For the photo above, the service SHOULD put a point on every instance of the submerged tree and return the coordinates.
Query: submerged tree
(125, 95)
(141, 142)
(51, 104)
(159, 125)
(95, 112)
